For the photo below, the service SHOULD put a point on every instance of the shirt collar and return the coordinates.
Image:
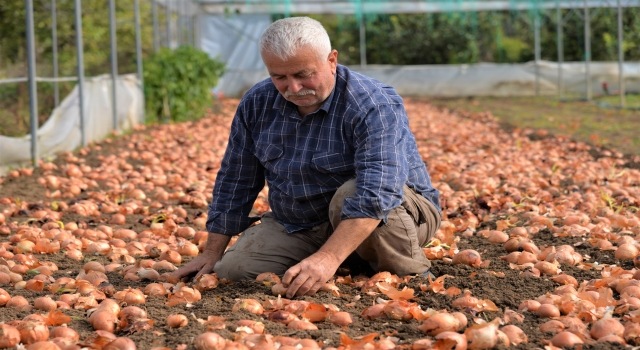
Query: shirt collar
(281, 104)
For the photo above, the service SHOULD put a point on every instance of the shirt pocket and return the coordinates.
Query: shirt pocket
(268, 154)
(332, 169)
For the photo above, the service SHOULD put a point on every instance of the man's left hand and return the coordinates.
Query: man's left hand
(310, 274)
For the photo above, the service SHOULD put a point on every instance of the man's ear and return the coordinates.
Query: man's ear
(333, 60)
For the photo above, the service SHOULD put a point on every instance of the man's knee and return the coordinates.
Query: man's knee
(237, 265)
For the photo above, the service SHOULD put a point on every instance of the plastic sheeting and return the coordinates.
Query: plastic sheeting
(61, 132)
(482, 79)
(234, 40)
(491, 79)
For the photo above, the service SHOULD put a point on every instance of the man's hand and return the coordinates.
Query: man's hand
(309, 275)
(204, 263)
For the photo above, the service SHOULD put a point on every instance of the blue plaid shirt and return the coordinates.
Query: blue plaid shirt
(360, 131)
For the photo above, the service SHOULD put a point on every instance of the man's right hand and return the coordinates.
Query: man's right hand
(205, 261)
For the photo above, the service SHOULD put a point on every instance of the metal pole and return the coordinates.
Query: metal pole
(168, 9)
(136, 11)
(560, 26)
(33, 92)
(536, 28)
(587, 48)
(154, 10)
(114, 62)
(621, 56)
(54, 51)
(80, 58)
(363, 42)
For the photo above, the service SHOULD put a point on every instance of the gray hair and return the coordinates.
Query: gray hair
(284, 37)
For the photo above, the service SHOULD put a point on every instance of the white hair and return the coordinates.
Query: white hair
(284, 37)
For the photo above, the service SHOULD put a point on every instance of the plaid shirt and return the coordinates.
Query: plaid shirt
(360, 131)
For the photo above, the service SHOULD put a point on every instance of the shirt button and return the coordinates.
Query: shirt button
(296, 183)
(298, 153)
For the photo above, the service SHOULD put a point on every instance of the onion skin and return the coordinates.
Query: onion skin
(9, 336)
(209, 341)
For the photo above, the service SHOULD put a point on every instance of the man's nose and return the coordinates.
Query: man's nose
(294, 86)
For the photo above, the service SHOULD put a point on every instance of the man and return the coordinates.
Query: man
(344, 174)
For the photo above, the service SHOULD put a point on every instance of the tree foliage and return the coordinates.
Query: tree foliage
(492, 36)
(178, 83)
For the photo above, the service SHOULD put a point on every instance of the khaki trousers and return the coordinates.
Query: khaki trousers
(395, 246)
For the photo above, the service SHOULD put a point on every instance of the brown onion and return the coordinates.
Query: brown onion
(120, 343)
(9, 336)
(467, 257)
(566, 339)
(515, 334)
(209, 341)
(176, 321)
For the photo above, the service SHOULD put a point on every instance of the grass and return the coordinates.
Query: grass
(580, 120)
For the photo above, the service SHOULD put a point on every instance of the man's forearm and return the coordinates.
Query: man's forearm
(216, 244)
(348, 236)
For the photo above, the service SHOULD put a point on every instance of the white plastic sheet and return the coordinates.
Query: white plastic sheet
(61, 132)
(482, 79)
(234, 39)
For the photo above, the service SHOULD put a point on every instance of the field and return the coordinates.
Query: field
(588, 122)
(553, 224)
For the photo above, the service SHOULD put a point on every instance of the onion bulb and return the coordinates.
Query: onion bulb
(177, 321)
(566, 339)
(467, 257)
(9, 336)
(515, 334)
(438, 323)
(120, 343)
(605, 326)
(33, 332)
(209, 341)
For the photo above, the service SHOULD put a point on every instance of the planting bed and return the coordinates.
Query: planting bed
(568, 222)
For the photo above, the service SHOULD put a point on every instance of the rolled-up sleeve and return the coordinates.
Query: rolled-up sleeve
(381, 166)
(239, 180)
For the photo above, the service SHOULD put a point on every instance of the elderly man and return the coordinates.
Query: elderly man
(344, 173)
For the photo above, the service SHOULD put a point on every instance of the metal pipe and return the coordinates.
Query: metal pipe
(560, 26)
(587, 48)
(54, 51)
(154, 10)
(80, 59)
(136, 11)
(33, 91)
(363, 42)
(621, 56)
(536, 28)
(167, 5)
(114, 62)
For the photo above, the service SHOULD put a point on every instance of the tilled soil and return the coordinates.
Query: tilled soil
(485, 283)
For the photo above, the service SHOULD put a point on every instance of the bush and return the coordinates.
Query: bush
(178, 83)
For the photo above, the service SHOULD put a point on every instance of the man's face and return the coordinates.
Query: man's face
(304, 79)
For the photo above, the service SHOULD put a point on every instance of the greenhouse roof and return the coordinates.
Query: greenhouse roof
(395, 6)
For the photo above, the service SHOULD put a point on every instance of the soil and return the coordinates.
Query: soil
(506, 292)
